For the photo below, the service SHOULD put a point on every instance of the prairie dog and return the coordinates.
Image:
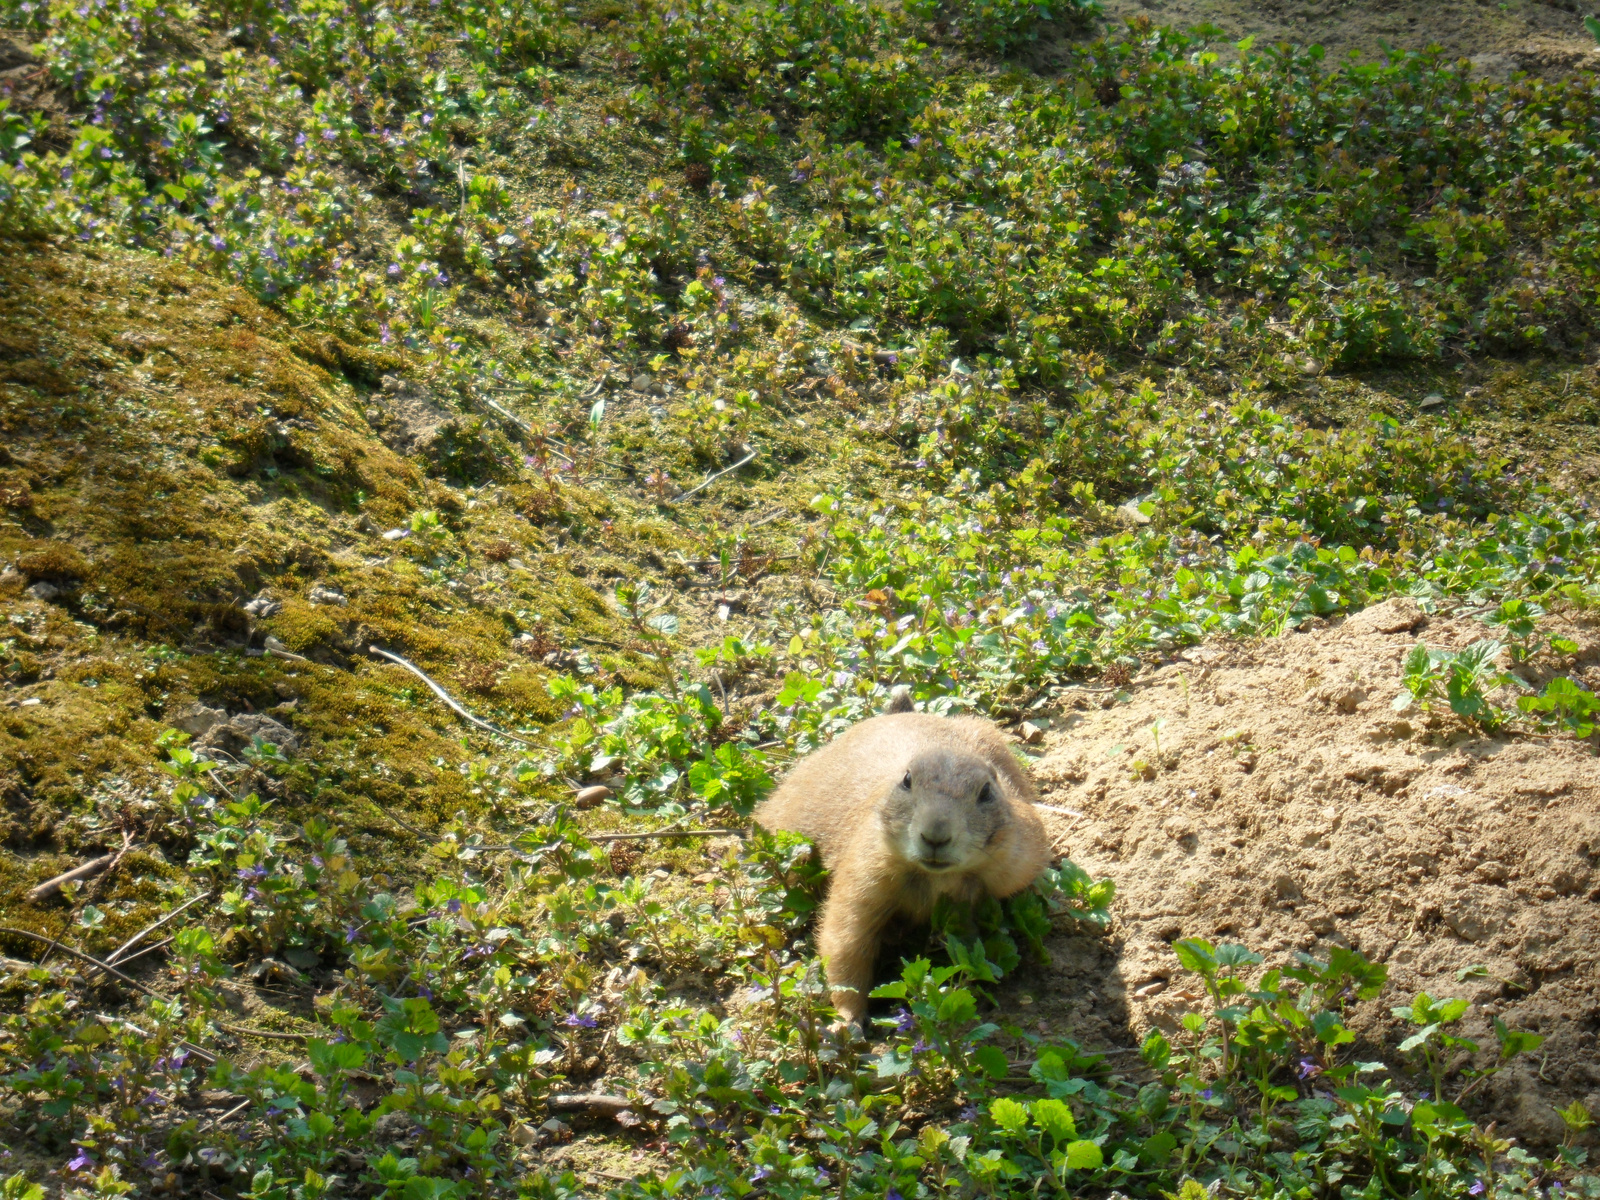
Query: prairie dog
(907, 807)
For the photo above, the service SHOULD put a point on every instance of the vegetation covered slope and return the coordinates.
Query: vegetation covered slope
(668, 383)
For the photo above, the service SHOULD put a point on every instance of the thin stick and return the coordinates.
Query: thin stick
(184, 1042)
(247, 1031)
(152, 927)
(1065, 812)
(82, 871)
(94, 892)
(234, 1111)
(82, 957)
(111, 868)
(710, 479)
(148, 950)
(242, 1030)
(406, 825)
(449, 701)
(663, 833)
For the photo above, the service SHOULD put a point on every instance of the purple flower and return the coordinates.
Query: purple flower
(761, 1172)
(1207, 1094)
(579, 1020)
(906, 1023)
(81, 1161)
(969, 1113)
(1308, 1069)
(1477, 1189)
(454, 907)
(893, 1194)
(920, 1047)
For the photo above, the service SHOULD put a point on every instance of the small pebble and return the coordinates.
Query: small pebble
(590, 796)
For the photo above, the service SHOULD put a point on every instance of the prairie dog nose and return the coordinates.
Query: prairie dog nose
(936, 835)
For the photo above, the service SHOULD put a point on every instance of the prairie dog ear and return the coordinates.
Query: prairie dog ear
(900, 700)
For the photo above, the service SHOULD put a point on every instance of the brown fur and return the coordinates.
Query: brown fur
(877, 837)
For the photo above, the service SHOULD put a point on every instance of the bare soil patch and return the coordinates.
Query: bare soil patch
(1544, 37)
(1289, 808)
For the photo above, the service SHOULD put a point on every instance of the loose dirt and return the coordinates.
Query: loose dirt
(1544, 37)
(1288, 807)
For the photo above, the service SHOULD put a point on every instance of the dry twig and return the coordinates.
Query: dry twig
(152, 927)
(241, 1030)
(710, 479)
(82, 871)
(450, 701)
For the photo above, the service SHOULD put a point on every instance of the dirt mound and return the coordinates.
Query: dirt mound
(1288, 807)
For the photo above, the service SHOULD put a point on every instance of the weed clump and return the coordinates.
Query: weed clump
(327, 328)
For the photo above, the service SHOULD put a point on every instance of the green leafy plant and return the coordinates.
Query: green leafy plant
(1564, 704)
(1463, 677)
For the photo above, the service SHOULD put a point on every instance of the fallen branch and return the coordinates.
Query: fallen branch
(83, 871)
(594, 1102)
(710, 479)
(449, 700)
(152, 927)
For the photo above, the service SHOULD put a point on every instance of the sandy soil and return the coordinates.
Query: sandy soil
(1290, 808)
(1545, 37)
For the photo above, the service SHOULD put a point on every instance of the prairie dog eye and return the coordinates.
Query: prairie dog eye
(906, 782)
(986, 794)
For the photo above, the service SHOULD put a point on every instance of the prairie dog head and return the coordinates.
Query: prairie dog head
(945, 812)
